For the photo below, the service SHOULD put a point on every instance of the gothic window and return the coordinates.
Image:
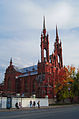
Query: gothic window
(44, 52)
(9, 84)
(58, 59)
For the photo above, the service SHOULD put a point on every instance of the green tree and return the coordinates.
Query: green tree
(75, 85)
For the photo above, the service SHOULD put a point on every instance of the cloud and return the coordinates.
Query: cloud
(70, 46)
(28, 14)
(57, 13)
(25, 48)
(2, 71)
(21, 26)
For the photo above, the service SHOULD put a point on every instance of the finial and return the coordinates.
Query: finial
(44, 22)
(11, 61)
(57, 33)
(44, 28)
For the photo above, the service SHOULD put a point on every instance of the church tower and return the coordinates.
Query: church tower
(58, 51)
(44, 44)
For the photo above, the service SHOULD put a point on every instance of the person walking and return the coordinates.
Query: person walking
(34, 104)
(30, 103)
(16, 105)
(38, 103)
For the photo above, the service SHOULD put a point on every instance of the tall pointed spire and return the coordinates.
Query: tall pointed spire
(57, 34)
(44, 28)
(44, 22)
(56, 31)
(11, 61)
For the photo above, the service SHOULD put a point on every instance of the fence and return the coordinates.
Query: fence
(9, 102)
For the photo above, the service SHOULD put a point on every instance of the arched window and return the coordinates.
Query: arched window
(58, 59)
(45, 55)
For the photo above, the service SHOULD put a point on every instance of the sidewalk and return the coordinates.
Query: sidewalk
(36, 108)
(27, 108)
(24, 108)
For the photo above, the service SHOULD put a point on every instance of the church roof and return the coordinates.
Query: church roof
(27, 69)
(27, 74)
(32, 70)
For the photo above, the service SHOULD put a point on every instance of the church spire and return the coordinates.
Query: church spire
(44, 22)
(44, 28)
(11, 61)
(57, 38)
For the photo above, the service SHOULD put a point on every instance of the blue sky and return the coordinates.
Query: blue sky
(21, 26)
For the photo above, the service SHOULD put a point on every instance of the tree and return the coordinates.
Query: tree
(64, 83)
(75, 86)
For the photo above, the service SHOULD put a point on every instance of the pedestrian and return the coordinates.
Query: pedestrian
(20, 105)
(38, 103)
(34, 103)
(30, 103)
(16, 105)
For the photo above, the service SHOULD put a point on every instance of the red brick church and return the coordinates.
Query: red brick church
(39, 79)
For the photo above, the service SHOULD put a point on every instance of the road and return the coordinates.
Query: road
(67, 112)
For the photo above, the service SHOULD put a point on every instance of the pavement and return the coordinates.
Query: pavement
(24, 108)
(36, 108)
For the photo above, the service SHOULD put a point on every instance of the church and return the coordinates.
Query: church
(38, 80)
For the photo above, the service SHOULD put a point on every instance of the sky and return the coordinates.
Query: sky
(21, 24)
